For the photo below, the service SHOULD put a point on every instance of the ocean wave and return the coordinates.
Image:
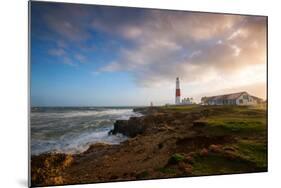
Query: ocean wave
(75, 145)
(73, 130)
(125, 113)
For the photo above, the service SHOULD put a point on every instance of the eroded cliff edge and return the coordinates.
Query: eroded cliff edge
(166, 142)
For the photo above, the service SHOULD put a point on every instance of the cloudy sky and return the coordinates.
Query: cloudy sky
(105, 56)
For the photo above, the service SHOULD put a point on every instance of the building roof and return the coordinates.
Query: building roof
(229, 96)
(226, 96)
(259, 99)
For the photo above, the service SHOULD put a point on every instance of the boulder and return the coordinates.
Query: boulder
(130, 128)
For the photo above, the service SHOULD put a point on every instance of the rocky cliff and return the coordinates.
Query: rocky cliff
(166, 142)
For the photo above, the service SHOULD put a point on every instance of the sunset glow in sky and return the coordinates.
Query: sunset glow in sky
(87, 55)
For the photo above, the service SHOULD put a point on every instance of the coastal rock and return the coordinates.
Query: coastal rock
(171, 143)
(96, 147)
(145, 110)
(46, 168)
(204, 152)
(199, 123)
(215, 148)
(130, 128)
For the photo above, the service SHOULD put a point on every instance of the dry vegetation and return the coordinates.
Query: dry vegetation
(170, 142)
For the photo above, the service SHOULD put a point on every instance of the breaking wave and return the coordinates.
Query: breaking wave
(72, 130)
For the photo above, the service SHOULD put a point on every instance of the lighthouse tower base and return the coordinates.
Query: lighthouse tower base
(178, 100)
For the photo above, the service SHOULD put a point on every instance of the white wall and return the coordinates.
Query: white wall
(251, 100)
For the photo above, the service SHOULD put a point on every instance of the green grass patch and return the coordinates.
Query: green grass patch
(238, 124)
(182, 108)
(247, 150)
(176, 158)
(248, 111)
(220, 125)
(167, 170)
(219, 164)
(253, 151)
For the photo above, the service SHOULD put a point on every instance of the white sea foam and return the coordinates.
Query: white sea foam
(73, 130)
(126, 113)
(76, 145)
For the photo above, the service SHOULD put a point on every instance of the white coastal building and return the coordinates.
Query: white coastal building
(241, 98)
(187, 101)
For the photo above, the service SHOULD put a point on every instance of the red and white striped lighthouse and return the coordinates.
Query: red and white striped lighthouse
(178, 91)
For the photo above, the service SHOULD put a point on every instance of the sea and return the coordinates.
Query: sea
(73, 129)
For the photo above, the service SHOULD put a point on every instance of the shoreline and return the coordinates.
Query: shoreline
(141, 110)
(71, 131)
(165, 142)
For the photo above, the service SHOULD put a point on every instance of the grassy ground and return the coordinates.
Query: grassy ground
(247, 126)
(175, 141)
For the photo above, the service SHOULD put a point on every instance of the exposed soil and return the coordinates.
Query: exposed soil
(163, 143)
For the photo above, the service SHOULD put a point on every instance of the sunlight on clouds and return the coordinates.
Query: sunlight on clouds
(211, 53)
(236, 49)
(252, 74)
(181, 45)
(208, 52)
(131, 32)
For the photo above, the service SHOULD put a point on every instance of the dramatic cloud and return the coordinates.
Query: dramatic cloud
(209, 52)
(66, 28)
(192, 45)
(69, 22)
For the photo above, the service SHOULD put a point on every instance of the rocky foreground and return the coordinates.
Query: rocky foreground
(166, 142)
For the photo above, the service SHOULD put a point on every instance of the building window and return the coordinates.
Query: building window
(245, 96)
(240, 101)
